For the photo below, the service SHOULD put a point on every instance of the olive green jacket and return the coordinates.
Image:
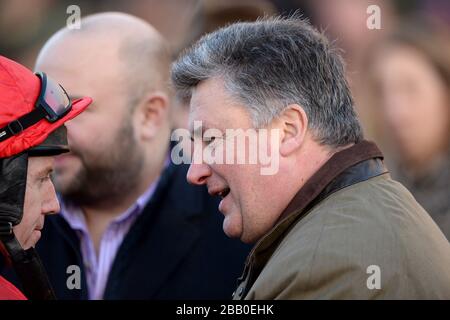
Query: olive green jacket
(350, 233)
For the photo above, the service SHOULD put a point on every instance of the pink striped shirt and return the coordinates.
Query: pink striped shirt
(98, 267)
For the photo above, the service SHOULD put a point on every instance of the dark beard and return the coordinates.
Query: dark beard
(109, 177)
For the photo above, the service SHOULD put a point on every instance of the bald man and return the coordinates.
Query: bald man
(128, 220)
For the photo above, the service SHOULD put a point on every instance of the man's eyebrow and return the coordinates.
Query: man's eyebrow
(44, 172)
(199, 131)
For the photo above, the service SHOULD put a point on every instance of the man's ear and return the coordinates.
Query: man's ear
(152, 114)
(294, 124)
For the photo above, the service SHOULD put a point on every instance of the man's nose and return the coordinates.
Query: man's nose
(51, 203)
(198, 173)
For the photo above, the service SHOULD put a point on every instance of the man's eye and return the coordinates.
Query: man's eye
(210, 139)
(46, 178)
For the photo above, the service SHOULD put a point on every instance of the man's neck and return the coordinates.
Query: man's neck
(311, 158)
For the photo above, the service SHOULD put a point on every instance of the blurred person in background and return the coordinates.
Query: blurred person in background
(346, 22)
(25, 25)
(128, 218)
(33, 22)
(410, 82)
(436, 10)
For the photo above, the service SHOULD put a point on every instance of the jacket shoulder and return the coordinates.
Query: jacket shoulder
(372, 226)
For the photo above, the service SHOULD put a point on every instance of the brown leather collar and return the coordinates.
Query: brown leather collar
(339, 162)
(344, 168)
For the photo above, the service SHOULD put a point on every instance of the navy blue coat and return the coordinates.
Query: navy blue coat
(176, 249)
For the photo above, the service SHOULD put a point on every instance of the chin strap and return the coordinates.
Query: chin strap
(29, 269)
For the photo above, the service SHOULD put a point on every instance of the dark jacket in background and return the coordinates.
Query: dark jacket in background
(176, 249)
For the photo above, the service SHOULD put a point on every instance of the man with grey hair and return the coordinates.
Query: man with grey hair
(330, 223)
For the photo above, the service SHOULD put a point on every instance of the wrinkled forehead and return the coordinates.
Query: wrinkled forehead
(40, 166)
(201, 118)
(212, 104)
(223, 118)
(204, 104)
